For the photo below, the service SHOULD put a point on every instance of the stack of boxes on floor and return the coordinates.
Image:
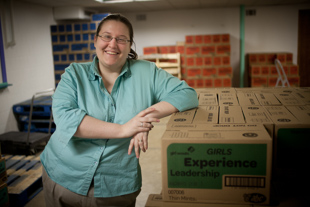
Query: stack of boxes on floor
(263, 72)
(4, 195)
(73, 42)
(205, 59)
(229, 150)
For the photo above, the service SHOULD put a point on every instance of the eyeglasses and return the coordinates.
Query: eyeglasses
(108, 38)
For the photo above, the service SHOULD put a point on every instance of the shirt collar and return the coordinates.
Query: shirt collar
(95, 71)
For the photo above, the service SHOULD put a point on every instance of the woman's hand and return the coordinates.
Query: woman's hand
(139, 123)
(139, 141)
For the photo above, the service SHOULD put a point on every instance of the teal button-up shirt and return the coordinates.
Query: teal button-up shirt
(73, 162)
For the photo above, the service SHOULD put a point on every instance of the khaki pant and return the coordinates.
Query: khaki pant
(58, 196)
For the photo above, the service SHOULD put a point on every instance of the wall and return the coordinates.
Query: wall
(29, 63)
(272, 29)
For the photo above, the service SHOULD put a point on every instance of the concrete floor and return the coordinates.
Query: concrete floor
(151, 177)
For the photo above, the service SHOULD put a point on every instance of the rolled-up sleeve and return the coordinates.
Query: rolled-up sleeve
(174, 91)
(67, 114)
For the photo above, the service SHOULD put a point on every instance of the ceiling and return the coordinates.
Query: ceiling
(160, 5)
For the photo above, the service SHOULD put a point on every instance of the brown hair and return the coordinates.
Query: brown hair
(118, 17)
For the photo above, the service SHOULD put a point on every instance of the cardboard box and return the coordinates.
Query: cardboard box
(208, 61)
(205, 90)
(302, 113)
(208, 82)
(185, 117)
(225, 71)
(191, 82)
(255, 70)
(227, 82)
(272, 81)
(258, 115)
(231, 115)
(193, 72)
(206, 115)
(180, 49)
(189, 39)
(269, 58)
(216, 164)
(208, 99)
(294, 81)
(287, 99)
(280, 115)
(225, 90)
(200, 83)
(208, 50)
(293, 69)
(156, 200)
(223, 49)
(247, 99)
(228, 99)
(150, 50)
(302, 96)
(267, 99)
(192, 50)
(259, 81)
(218, 82)
(209, 72)
(265, 70)
(225, 38)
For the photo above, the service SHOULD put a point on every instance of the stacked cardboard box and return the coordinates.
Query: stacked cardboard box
(73, 42)
(263, 72)
(205, 59)
(200, 147)
(216, 163)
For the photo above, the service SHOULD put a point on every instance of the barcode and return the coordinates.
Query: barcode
(234, 181)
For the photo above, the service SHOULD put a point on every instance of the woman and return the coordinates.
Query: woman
(103, 111)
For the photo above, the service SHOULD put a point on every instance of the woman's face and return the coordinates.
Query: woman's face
(112, 55)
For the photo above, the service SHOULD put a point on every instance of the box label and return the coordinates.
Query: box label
(204, 166)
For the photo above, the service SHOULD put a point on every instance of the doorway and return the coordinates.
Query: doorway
(303, 59)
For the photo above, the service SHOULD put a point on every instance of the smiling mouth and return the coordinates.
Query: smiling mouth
(112, 53)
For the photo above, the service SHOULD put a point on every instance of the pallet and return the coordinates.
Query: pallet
(41, 114)
(41, 106)
(24, 179)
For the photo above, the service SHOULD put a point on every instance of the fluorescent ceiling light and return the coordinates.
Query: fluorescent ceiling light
(120, 1)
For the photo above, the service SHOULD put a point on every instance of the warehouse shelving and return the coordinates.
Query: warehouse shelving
(169, 62)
